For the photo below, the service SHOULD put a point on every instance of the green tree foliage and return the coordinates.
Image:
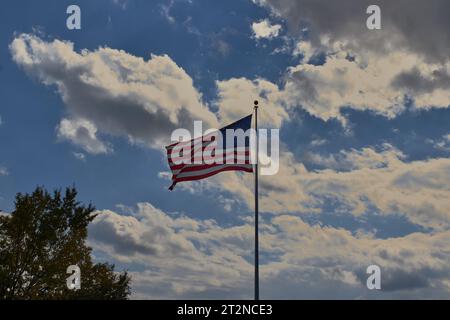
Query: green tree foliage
(44, 235)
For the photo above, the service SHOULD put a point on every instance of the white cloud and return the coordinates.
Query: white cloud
(304, 48)
(417, 190)
(236, 96)
(3, 171)
(323, 90)
(164, 247)
(368, 82)
(358, 159)
(118, 93)
(443, 144)
(318, 142)
(165, 11)
(175, 257)
(82, 133)
(123, 4)
(265, 30)
(80, 156)
(166, 175)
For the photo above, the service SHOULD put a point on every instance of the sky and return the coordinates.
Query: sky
(364, 168)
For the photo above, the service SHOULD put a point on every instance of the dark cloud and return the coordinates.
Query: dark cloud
(128, 235)
(415, 81)
(398, 279)
(432, 180)
(267, 185)
(417, 25)
(107, 233)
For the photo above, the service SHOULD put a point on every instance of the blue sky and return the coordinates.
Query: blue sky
(364, 140)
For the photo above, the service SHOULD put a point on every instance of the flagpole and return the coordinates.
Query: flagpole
(256, 206)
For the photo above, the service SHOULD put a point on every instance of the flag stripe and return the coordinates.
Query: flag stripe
(229, 159)
(191, 176)
(201, 167)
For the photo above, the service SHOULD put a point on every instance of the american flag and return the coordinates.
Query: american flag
(208, 155)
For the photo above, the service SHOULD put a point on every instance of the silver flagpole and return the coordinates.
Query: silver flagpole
(256, 206)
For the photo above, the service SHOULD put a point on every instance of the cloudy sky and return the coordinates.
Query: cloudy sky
(364, 124)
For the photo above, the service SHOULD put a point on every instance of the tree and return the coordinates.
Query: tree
(44, 235)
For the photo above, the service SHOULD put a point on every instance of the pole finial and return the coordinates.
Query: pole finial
(256, 104)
